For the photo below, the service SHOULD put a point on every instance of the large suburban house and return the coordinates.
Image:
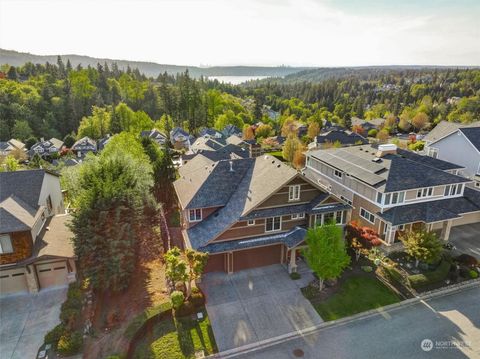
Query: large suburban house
(46, 148)
(392, 190)
(155, 135)
(180, 138)
(250, 212)
(84, 146)
(342, 137)
(35, 247)
(444, 129)
(462, 146)
(11, 145)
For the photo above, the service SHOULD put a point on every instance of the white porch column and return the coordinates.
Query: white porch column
(447, 226)
(292, 266)
(390, 236)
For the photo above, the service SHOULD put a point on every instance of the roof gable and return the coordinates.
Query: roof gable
(25, 185)
(473, 135)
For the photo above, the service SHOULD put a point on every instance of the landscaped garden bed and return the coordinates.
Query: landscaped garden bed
(182, 337)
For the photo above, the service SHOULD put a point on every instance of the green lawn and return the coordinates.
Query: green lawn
(178, 338)
(277, 154)
(356, 295)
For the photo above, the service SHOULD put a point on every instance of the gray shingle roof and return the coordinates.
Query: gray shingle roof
(406, 174)
(445, 128)
(473, 135)
(434, 211)
(291, 239)
(25, 185)
(393, 172)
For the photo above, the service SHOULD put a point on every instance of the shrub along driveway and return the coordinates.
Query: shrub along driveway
(256, 304)
(25, 319)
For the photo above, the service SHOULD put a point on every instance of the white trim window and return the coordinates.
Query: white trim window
(370, 217)
(195, 215)
(394, 198)
(453, 190)
(273, 224)
(298, 215)
(5, 244)
(432, 152)
(294, 192)
(338, 173)
(251, 222)
(425, 192)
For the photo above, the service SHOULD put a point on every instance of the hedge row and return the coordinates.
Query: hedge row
(141, 319)
(437, 275)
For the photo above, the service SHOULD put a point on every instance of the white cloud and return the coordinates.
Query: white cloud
(214, 32)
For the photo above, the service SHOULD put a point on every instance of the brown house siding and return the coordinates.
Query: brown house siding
(241, 230)
(22, 248)
(280, 198)
(361, 202)
(215, 263)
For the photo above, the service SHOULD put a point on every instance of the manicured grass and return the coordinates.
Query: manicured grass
(276, 154)
(178, 338)
(356, 295)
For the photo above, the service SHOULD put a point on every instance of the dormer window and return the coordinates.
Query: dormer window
(425, 192)
(195, 215)
(452, 190)
(294, 193)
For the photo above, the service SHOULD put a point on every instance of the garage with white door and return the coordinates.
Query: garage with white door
(13, 280)
(52, 274)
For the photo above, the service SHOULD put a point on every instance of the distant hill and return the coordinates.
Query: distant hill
(362, 72)
(148, 68)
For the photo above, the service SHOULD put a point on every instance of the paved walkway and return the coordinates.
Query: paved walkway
(256, 304)
(25, 319)
(467, 239)
(450, 324)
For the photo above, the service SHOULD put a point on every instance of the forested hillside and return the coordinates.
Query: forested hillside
(15, 58)
(55, 100)
(434, 94)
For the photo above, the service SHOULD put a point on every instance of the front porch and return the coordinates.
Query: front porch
(390, 234)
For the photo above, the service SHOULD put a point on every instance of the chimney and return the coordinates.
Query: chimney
(231, 166)
(386, 150)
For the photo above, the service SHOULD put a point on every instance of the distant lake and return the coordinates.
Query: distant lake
(235, 80)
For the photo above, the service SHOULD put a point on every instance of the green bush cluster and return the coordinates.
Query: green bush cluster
(473, 274)
(63, 337)
(177, 297)
(393, 274)
(437, 275)
(187, 308)
(70, 343)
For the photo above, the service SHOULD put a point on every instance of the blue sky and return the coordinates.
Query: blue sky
(249, 32)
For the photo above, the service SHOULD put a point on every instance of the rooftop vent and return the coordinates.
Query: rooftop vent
(231, 166)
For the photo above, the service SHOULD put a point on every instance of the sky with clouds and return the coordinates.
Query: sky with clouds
(249, 32)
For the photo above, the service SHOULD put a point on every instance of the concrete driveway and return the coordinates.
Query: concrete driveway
(25, 319)
(256, 304)
(467, 239)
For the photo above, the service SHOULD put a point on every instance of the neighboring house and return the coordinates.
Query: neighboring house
(250, 212)
(101, 143)
(207, 144)
(84, 146)
(444, 129)
(392, 190)
(210, 133)
(35, 247)
(230, 130)
(461, 146)
(229, 151)
(180, 138)
(155, 135)
(46, 148)
(373, 124)
(67, 162)
(302, 130)
(345, 138)
(10, 145)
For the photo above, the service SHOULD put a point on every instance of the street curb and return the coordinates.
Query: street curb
(245, 349)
